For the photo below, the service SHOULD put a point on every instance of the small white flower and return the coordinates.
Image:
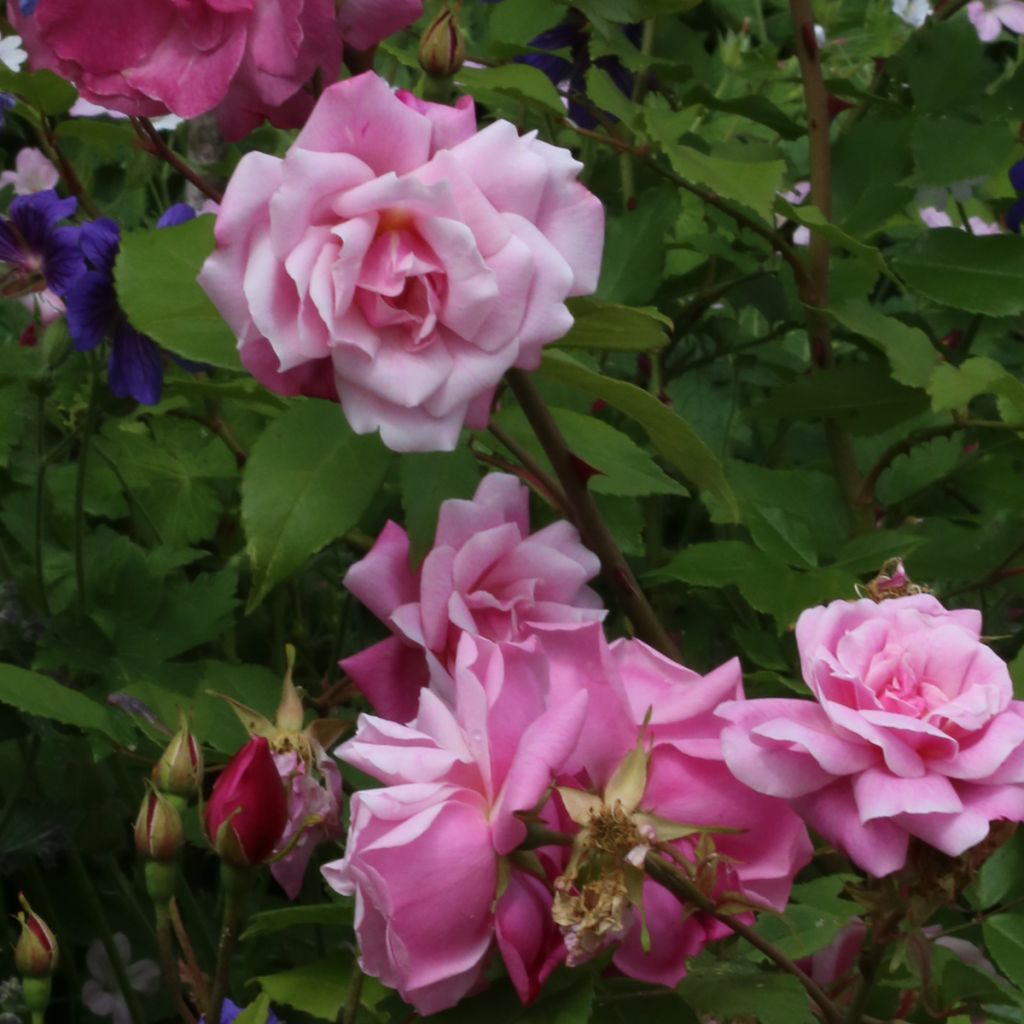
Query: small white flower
(101, 993)
(12, 56)
(32, 173)
(913, 12)
(83, 108)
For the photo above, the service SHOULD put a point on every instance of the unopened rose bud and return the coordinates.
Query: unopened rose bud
(35, 954)
(159, 834)
(179, 772)
(442, 50)
(247, 811)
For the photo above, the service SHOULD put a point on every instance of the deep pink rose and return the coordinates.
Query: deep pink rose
(423, 851)
(314, 813)
(687, 783)
(914, 733)
(486, 575)
(399, 262)
(245, 59)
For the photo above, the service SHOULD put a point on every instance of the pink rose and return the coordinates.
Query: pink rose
(486, 575)
(314, 813)
(687, 782)
(399, 262)
(423, 852)
(914, 733)
(246, 59)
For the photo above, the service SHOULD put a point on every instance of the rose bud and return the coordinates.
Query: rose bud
(159, 834)
(35, 955)
(442, 50)
(247, 811)
(179, 772)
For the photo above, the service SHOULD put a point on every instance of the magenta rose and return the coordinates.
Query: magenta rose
(915, 731)
(399, 262)
(424, 852)
(635, 692)
(486, 575)
(244, 59)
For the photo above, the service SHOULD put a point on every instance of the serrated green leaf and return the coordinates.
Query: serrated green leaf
(318, 989)
(981, 274)
(953, 387)
(606, 325)
(634, 253)
(155, 275)
(674, 438)
(269, 921)
(308, 480)
(523, 82)
(734, 991)
(40, 695)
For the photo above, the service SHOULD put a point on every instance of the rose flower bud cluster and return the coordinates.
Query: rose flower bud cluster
(399, 261)
(245, 60)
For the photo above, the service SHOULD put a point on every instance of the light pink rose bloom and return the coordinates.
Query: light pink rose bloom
(32, 173)
(245, 59)
(310, 794)
(915, 731)
(486, 575)
(990, 17)
(687, 782)
(424, 851)
(399, 262)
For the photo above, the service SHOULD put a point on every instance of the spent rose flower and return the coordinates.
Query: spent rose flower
(990, 17)
(32, 173)
(244, 59)
(247, 811)
(683, 794)
(486, 574)
(915, 731)
(398, 261)
(424, 850)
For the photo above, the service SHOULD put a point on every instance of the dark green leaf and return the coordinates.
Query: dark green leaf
(269, 921)
(40, 695)
(427, 479)
(605, 325)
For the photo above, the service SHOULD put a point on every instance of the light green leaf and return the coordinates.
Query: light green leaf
(730, 990)
(606, 95)
(43, 90)
(156, 283)
(42, 696)
(953, 387)
(1002, 873)
(982, 274)
(673, 438)
(910, 353)
(634, 252)
(269, 921)
(523, 82)
(318, 989)
(256, 1012)
(606, 325)
(1004, 939)
(307, 482)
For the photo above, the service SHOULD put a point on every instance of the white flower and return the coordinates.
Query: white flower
(11, 54)
(935, 218)
(83, 108)
(913, 12)
(101, 993)
(32, 173)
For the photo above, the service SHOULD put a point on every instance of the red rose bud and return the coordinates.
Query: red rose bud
(159, 834)
(247, 811)
(442, 50)
(179, 771)
(35, 954)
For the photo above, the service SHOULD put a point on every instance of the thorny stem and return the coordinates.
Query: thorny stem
(587, 516)
(814, 286)
(553, 491)
(198, 981)
(48, 144)
(153, 143)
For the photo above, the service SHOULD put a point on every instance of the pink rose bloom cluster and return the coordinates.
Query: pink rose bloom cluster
(491, 738)
(243, 59)
(314, 813)
(485, 575)
(399, 261)
(915, 732)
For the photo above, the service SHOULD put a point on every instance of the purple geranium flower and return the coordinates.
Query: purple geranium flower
(1015, 214)
(231, 1010)
(7, 102)
(135, 367)
(571, 34)
(39, 252)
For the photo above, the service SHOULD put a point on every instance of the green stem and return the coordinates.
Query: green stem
(78, 522)
(355, 990)
(99, 918)
(169, 962)
(236, 882)
(587, 516)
